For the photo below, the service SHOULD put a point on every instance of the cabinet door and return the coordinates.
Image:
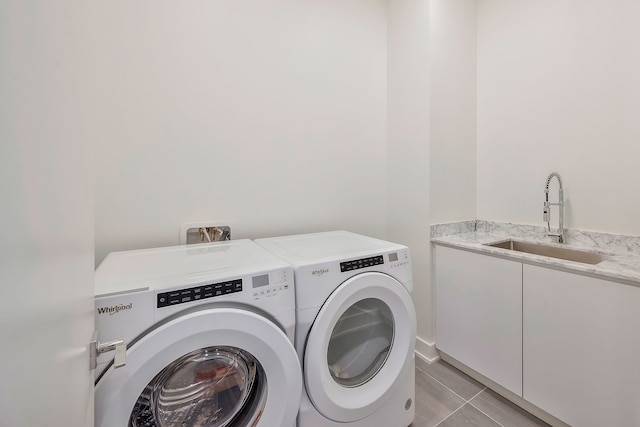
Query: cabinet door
(581, 348)
(479, 313)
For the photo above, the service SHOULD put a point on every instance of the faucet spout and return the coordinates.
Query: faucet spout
(546, 212)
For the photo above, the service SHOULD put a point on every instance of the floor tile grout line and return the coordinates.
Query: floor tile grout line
(527, 412)
(442, 384)
(486, 415)
(448, 416)
(465, 401)
(474, 407)
(482, 412)
(476, 395)
(445, 386)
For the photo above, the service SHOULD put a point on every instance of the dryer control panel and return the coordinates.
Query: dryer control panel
(361, 263)
(395, 259)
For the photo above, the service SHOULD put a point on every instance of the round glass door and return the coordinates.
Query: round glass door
(213, 387)
(360, 342)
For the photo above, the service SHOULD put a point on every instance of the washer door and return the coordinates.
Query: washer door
(218, 367)
(359, 344)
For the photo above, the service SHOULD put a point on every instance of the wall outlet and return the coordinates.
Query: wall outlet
(205, 231)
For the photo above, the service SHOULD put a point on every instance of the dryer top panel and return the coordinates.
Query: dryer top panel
(304, 248)
(150, 268)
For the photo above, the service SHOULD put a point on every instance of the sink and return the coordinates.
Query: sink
(549, 251)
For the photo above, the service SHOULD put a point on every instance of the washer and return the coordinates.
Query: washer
(209, 332)
(356, 328)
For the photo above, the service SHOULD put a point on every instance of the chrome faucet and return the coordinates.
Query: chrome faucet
(546, 213)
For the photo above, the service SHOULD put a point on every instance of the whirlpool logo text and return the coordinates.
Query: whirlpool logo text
(320, 272)
(114, 309)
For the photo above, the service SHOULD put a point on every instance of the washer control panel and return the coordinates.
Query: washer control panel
(270, 284)
(361, 263)
(180, 296)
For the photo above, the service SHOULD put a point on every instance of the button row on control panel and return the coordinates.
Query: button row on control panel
(399, 264)
(257, 294)
(278, 278)
(199, 292)
(361, 263)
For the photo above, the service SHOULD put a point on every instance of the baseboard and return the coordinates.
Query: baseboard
(425, 352)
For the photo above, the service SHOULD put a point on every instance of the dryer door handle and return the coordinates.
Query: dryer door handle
(97, 348)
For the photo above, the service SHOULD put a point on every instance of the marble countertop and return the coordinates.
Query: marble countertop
(621, 263)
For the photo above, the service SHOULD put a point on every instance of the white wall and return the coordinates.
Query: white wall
(559, 89)
(273, 115)
(270, 114)
(46, 214)
(408, 149)
(453, 110)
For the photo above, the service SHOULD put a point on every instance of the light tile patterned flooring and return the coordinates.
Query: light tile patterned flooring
(446, 397)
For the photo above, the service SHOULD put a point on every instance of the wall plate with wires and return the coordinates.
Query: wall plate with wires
(205, 231)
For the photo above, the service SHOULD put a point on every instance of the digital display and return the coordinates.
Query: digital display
(393, 257)
(260, 281)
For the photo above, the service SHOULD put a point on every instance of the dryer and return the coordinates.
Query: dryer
(356, 328)
(209, 332)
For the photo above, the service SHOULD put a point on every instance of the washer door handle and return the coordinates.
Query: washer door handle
(97, 348)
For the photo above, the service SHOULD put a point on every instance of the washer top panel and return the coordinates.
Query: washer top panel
(300, 249)
(163, 267)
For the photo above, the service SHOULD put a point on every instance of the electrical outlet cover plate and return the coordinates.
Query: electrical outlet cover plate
(205, 224)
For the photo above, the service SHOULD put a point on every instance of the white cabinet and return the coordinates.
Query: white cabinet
(567, 343)
(479, 313)
(581, 348)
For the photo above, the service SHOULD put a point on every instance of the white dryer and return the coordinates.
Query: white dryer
(356, 328)
(209, 332)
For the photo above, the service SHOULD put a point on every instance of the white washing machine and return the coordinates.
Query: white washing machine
(356, 328)
(209, 332)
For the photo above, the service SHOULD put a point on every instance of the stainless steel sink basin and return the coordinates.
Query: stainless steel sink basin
(549, 251)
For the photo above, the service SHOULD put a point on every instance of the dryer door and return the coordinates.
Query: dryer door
(360, 343)
(213, 367)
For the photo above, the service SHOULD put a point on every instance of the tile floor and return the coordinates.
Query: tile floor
(446, 397)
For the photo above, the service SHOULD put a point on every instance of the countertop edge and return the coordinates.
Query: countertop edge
(622, 268)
